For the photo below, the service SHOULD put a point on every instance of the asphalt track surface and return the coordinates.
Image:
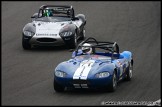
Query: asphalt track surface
(27, 75)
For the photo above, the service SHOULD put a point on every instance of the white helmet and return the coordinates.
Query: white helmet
(87, 49)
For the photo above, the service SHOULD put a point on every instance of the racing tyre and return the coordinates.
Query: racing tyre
(73, 43)
(112, 87)
(129, 72)
(82, 35)
(26, 44)
(58, 87)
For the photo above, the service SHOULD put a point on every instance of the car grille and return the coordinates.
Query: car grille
(46, 40)
(46, 34)
(78, 81)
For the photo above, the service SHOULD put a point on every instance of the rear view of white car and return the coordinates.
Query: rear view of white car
(54, 25)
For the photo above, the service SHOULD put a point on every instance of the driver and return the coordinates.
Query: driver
(48, 12)
(87, 48)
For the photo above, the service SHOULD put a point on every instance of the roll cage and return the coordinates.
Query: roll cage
(112, 48)
(58, 9)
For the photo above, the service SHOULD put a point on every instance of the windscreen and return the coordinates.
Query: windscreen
(53, 19)
(56, 12)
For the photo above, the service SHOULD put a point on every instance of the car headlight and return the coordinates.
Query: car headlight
(102, 74)
(65, 34)
(60, 73)
(28, 33)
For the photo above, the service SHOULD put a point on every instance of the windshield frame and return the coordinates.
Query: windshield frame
(53, 19)
(59, 11)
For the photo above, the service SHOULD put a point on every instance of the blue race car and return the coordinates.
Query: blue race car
(94, 65)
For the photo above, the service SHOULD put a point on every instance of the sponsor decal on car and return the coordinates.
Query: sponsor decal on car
(46, 34)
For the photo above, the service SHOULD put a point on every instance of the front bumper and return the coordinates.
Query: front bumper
(89, 83)
(46, 41)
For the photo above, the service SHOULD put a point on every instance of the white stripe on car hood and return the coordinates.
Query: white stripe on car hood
(83, 70)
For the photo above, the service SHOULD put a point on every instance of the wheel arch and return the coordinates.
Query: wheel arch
(30, 27)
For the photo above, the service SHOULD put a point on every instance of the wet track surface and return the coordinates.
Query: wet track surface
(27, 75)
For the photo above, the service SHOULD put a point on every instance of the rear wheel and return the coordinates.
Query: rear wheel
(58, 87)
(112, 87)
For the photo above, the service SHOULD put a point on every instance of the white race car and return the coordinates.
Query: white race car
(54, 25)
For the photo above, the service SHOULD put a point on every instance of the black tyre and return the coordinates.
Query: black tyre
(82, 35)
(129, 72)
(112, 87)
(25, 44)
(73, 43)
(58, 87)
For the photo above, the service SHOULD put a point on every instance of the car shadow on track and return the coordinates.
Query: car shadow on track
(50, 49)
(82, 92)
(121, 84)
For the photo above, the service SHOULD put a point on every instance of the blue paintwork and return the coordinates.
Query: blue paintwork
(101, 64)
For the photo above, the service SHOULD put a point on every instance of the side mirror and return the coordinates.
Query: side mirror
(73, 54)
(75, 18)
(35, 15)
(80, 52)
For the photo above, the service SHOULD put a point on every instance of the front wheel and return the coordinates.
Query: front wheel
(25, 44)
(73, 43)
(58, 87)
(129, 72)
(113, 85)
(82, 35)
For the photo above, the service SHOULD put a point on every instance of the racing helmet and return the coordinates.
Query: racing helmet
(47, 12)
(87, 49)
